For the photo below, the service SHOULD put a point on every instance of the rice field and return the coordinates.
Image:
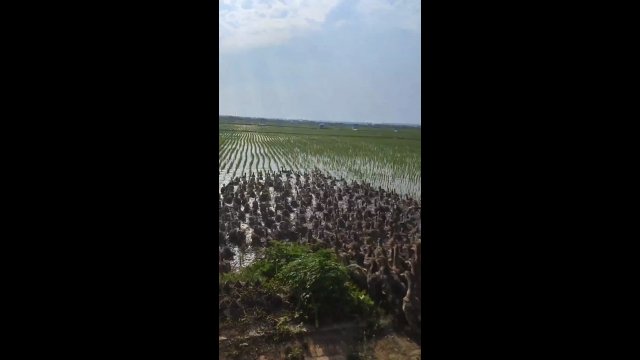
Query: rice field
(381, 157)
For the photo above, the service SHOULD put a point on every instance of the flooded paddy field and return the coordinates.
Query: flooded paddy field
(381, 157)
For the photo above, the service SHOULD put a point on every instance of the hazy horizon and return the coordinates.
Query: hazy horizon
(320, 121)
(322, 60)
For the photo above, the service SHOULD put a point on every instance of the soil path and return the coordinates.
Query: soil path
(336, 343)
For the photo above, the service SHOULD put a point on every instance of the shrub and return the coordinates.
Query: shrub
(317, 281)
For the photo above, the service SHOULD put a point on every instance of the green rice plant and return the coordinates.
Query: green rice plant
(374, 155)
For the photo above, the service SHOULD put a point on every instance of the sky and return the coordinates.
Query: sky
(323, 60)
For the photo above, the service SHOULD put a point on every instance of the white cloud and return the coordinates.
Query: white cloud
(250, 23)
(405, 14)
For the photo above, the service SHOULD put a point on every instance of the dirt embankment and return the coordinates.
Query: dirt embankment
(335, 342)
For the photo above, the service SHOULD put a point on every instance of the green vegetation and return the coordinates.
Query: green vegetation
(315, 281)
(378, 155)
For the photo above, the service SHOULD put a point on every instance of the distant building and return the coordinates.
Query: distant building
(321, 125)
(395, 130)
(355, 127)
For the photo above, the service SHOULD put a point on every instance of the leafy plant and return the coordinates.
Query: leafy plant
(317, 281)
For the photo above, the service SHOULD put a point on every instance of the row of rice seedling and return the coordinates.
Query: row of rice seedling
(389, 163)
(227, 144)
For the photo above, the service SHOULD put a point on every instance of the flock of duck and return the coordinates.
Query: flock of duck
(375, 233)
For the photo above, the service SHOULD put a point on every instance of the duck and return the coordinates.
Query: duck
(410, 304)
